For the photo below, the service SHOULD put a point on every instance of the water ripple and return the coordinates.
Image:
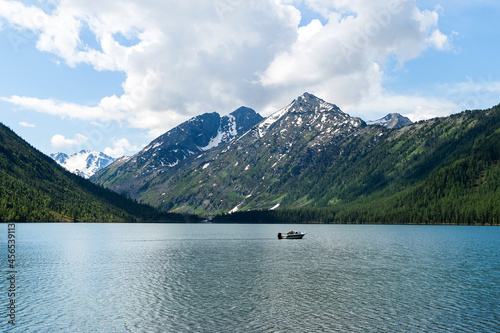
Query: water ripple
(167, 278)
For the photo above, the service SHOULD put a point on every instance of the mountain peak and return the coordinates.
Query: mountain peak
(306, 98)
(307, 95)
(306, 104)
(244, 117)
(243, 110)
(392, 120)
(310, 103)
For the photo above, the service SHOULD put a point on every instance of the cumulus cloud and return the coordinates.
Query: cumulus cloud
(59, 141)
(120, 148)
(183, 58)
(188, 58)
(343, 60)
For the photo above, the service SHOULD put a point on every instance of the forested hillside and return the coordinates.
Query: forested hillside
(444, 170)
(34, 188)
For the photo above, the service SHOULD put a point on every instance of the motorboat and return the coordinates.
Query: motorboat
(292, 234)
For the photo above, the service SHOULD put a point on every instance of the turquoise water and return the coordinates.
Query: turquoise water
(241, 278)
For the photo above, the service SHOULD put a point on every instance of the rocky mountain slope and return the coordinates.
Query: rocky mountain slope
(84, 163)
(170, 150)
(259, 169)
(238, 175)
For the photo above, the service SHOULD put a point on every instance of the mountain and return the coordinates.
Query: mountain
(311, 162)
(34, 188)
(184, 142)
(392, 120)
(240, 173)
(439, 171)
(85, 163)
(258, 169)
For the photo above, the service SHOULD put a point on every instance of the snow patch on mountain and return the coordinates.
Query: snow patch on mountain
(232, 131)
(215, 141)
(264, 126)
(275, 206)
(153, 146)
(235, 209)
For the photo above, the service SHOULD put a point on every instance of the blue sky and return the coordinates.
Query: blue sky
(77, 75)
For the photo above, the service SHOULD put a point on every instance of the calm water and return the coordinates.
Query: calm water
(241, 278)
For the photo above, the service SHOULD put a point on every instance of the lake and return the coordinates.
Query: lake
(241, 278)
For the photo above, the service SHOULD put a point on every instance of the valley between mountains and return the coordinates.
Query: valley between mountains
(312, 162)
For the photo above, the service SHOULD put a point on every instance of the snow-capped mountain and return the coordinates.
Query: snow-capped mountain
(190, 139)
(392, 120)
(308, 154)
(255, 169)
(84, 163)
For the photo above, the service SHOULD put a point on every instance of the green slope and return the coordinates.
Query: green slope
(34, 188)
(444, 170)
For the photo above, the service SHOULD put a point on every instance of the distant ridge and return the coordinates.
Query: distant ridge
(392, 120)
(84, 163)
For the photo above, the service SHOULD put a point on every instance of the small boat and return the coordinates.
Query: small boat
(292, 234)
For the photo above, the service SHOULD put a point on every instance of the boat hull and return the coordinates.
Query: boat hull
(298, 235)
(294, 236)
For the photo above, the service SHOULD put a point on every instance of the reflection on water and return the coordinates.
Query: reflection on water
(241, 278)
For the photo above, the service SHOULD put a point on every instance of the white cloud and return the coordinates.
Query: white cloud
(120, 148)
(344, 59)
(26, 124)
(63, 109)
(189, 57)
(23, 17)
(59, 141)
(439, 40)
(187, 54)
